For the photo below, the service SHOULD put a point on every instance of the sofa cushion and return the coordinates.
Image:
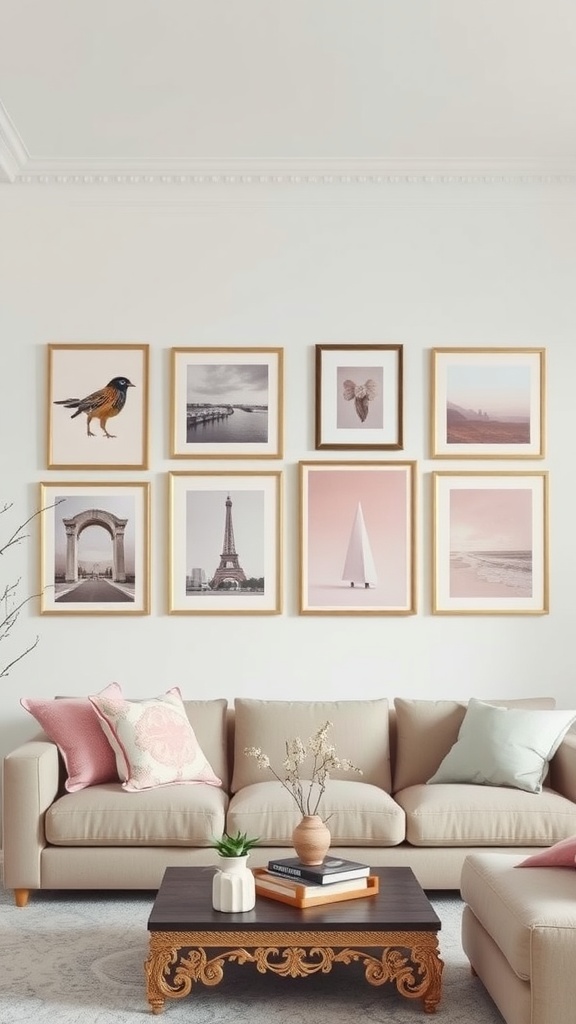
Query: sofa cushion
(466, 815)
(359, 733)
(560, 855)
(504, 746)
(107, 815)
(72, 724)
(359, 813)
(427, 729)
(154, 742)
(513, 907)
(208, 718)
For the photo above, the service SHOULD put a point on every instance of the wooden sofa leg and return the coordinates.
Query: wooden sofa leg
(21, 897)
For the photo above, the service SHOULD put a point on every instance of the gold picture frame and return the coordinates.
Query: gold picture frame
(357, 538)
(103, 571)
(359, 397)
(97, 407)
(488, 403)
(490, 543)
(225, 555)
(227, 403)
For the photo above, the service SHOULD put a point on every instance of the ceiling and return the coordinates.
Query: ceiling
(192, 90)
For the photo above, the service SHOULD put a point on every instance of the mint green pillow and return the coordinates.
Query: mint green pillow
(504, 746)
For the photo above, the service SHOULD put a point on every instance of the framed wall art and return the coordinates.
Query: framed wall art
(490, 543)
(97, 406)
(227, 403)
(225, 543)
(488, 403)
(357, 538)
(359, 397)
(94, 550)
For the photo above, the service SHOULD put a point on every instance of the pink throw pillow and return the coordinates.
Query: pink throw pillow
(72, 724)
(561, 855)
(154, 742)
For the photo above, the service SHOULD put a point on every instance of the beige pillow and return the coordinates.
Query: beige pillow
(427, 729)
(359, 733)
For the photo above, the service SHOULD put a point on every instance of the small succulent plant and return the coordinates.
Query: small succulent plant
(234, 846)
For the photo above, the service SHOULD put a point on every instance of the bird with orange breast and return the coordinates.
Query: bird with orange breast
(100, 405)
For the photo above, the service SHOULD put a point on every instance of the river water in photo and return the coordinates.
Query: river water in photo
(240, 427)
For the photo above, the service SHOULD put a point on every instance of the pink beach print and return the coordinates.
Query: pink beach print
(491, 542)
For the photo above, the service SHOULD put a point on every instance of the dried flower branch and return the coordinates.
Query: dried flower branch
(10, 605)
(308, 792)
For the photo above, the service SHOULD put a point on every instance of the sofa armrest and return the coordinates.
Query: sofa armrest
(563, 767)
(30, 783)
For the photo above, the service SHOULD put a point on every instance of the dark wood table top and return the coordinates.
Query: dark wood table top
(184, 903)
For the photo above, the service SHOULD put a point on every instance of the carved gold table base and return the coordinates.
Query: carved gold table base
(178, 960)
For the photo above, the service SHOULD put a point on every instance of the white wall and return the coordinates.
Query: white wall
(423, 265)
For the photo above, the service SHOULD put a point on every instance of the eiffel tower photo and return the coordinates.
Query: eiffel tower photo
(229, 570)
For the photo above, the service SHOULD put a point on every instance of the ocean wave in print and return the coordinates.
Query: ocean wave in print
(506, 568)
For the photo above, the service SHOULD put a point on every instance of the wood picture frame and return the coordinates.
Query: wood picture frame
(97, 406)
(488, 403)
(359, 397)
(490, 543)
(227, 403)
(95, 548)
(357, 538)
(225, 555)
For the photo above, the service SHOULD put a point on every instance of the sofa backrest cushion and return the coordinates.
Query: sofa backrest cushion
(359, 734)
(427, 729)
(208, 719)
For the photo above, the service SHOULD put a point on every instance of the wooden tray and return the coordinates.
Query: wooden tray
(300, 896)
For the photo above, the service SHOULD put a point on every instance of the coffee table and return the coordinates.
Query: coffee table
(393, 934)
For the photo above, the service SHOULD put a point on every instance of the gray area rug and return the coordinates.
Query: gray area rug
(78, 958)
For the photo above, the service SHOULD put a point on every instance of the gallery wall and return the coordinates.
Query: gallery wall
(423, 265)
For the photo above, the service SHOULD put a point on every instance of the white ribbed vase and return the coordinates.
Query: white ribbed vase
(233, 887)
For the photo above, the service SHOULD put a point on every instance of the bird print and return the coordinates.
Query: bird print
(100, 405)
(361, 393)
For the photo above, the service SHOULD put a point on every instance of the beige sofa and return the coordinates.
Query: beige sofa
(103, 837)
(519, 933)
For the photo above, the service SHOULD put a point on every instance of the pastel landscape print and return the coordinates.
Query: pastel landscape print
(488, 404)
(491, 542)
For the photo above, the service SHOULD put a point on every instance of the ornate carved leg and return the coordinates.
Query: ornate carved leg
(417, 976)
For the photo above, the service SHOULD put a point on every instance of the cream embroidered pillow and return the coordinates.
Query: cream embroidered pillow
(154, 742)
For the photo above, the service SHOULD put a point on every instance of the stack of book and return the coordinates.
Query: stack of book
(302, 885)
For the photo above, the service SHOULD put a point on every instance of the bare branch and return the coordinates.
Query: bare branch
(11, 611)
(6, 669)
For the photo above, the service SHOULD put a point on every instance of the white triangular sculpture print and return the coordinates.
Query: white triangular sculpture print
(359, 565)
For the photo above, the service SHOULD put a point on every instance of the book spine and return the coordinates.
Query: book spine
(291, 872)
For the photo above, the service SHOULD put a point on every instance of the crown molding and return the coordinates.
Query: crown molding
(13, 153)
(19, 167)
(32, 171)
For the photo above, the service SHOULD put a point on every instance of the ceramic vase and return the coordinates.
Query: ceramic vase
(233, 887)
(311, 839)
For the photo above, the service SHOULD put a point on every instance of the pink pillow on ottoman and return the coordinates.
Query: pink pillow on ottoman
(154, 742)
(561, 855)
(72, 724)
